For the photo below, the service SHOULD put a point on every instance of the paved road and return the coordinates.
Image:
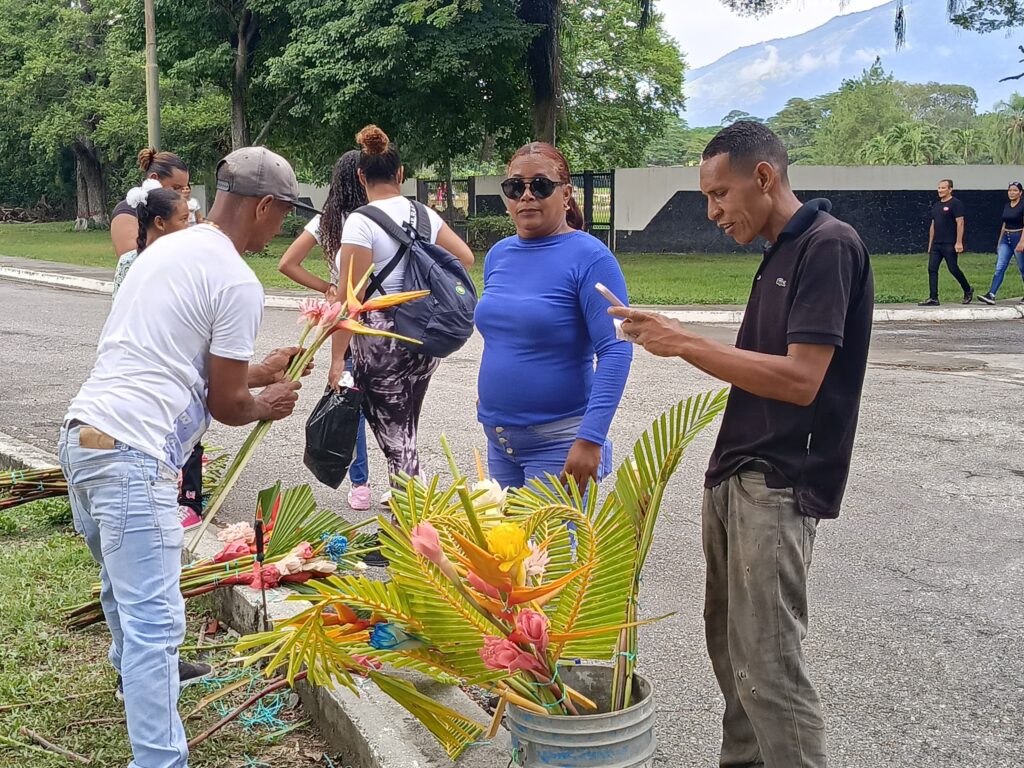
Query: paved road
(917, 622)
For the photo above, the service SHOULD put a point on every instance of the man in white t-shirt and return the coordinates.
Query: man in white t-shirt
(174, 352)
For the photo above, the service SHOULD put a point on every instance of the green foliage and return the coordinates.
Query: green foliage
(485, 231)
(623, 86)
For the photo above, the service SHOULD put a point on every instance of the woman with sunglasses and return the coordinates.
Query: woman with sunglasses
(545, 407)
(1011, 244)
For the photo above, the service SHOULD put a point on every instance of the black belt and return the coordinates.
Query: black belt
(74, 423)
(773, 478)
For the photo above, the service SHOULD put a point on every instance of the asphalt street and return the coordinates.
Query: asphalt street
(916, 617)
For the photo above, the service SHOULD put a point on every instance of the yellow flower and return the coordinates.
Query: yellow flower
(507, 542)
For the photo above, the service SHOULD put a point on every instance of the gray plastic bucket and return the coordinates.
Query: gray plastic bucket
(603, 740)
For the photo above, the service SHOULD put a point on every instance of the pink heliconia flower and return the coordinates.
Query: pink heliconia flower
(536, 563)
(303, 551)
(232, 551)
(482, 586)
(533, 627)
(427, 542)
(311, 311)
(330, 315)
(502, 653)
(238, 532)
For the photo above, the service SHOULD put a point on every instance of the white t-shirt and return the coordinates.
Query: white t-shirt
(187, 296)
(361, 231)
(313, 228)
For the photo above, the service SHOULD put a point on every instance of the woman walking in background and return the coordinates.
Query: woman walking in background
(164, 167)
(393, 376)
(544, 406)
(345, 195)
(1010, 245)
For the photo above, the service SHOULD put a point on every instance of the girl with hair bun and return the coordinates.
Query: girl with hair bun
(544, 405)
(392, 376)
(164, 167)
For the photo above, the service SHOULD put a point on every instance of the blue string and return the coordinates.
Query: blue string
(628, 654)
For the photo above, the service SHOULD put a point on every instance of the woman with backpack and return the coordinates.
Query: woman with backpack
(392, 375)
(346, 194)
(544, 406)
(170, 172)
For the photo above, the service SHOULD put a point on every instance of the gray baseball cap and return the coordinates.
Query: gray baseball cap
(258, 172)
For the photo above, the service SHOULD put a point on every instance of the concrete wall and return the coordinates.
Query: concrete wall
(661, 209)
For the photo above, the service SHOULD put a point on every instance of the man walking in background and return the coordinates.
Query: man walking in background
(784, 449)
(946, 243)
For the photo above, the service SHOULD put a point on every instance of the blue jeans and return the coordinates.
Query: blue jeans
(125, 505)
(518, 454)
(359, 469)
(1007, 245)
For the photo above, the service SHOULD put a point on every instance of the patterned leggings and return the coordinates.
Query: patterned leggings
(394, 382)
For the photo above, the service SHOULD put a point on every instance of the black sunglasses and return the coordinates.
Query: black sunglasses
(541, 187)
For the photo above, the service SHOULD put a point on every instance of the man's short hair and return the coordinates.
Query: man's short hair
(948, 181)
(748, 143)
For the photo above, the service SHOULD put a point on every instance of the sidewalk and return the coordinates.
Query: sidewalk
(98, 280)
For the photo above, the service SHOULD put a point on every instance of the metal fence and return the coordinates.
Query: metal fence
(595, 193)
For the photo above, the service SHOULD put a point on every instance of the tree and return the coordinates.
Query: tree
(860, 110)
(226, 44)
(967, 145)
(622, 88)
(1009, 131)
(944, 106)
(544, 65)
(737, 115)
(798, 123)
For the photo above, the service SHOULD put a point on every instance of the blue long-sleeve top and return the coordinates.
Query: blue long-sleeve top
(543, 322)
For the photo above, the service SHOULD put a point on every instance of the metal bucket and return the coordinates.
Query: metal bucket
(603, 740)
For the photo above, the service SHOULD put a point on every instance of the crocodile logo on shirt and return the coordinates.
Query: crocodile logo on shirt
(781, 282)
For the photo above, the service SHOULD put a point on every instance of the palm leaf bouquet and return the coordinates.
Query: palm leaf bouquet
(493, 588)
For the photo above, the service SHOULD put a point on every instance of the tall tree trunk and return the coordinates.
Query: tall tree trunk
(91, 187)
(545, 120)
(240, 82)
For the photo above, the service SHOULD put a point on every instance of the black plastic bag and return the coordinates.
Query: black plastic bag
(331, 432)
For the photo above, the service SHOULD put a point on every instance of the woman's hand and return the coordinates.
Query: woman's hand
(335, 374)
(582, 463)
(331, 294)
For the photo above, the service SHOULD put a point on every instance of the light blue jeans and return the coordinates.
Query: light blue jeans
(518, 454)
(1007, 245)
(359, 469)
(125, 505)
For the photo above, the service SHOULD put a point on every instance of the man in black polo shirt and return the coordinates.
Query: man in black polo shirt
(946, 243)
(783, 452)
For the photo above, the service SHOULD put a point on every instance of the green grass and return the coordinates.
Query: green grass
(45, 568)
(653, 278)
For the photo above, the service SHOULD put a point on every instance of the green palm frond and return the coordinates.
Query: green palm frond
(299, 521)
(640, 487)
(455, 626)
(303, 641)
(453, 730)
(605, 540)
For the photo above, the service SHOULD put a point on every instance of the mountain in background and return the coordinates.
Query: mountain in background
(760, 79)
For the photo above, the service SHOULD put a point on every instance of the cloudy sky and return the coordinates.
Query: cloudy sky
(715, 31)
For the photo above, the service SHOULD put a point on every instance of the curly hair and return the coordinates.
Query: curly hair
(159, 202)
(345, 196)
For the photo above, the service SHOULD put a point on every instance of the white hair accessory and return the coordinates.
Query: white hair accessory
(139, 195)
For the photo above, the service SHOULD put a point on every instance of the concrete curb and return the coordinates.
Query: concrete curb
(369, 730)
(691, 316)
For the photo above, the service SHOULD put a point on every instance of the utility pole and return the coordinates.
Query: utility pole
(152, 78)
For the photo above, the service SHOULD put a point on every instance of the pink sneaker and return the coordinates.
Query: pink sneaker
(188, 517)
(360, 498)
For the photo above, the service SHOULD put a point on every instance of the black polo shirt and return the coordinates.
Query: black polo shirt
(814, 286)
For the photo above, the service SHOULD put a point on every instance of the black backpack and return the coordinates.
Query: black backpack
(443, 321)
